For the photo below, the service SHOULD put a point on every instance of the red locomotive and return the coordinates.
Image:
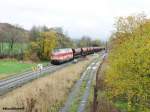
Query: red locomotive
(61, 55)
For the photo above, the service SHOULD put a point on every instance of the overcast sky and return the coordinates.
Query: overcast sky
(77, 17)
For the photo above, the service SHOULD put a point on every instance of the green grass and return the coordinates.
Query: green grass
(10, 67)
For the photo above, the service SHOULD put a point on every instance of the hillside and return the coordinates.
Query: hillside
(8, 27)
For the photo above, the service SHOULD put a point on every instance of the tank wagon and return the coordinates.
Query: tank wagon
(61, 55)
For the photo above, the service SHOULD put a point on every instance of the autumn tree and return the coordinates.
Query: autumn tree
(127, 77)
(42, 47)
(125, 28)
(47, 43)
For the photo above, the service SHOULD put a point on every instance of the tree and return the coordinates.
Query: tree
(127, 76)
(42, 47)
(96, 43)
(125, 28)
(63, 41)
(36, 31)
(85, 41)
(47, 43)
(10, 36)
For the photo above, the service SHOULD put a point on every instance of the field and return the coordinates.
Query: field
(11, 67)
(47, 93)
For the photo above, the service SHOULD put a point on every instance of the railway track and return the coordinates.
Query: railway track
(13, 82)
(88, 76)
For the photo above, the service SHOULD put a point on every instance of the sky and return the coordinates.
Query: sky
(94, 18)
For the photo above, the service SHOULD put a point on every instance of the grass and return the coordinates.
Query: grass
(12, 67)
(47, 93)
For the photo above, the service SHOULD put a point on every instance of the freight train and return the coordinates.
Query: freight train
(61, 55)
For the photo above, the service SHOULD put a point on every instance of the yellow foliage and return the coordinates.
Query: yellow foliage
(128, 75)
(42, 47)
(48, 42)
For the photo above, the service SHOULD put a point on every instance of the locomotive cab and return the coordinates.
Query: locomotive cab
(59, 56)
